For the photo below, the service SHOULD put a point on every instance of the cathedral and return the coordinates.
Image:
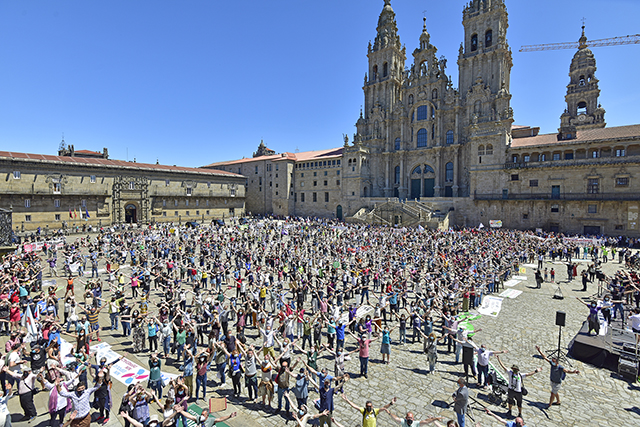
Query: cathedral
(428, 151)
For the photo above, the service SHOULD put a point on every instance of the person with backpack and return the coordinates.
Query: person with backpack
(557, 375)
(516, 386)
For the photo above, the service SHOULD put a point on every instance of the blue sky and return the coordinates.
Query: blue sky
(192, 82)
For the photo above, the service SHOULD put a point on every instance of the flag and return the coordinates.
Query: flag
(30, 323)
(480, 226)
(70, 213)
(86, 213)
(75, 213)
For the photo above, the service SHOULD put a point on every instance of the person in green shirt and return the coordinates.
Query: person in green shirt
(155, 375)
(181, 338)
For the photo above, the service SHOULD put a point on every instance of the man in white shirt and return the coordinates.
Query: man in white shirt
(634, 321)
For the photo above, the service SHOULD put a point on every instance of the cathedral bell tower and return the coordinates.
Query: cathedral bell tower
(583, 111)
(383, 82)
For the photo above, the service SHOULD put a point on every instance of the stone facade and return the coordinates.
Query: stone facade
(457, 149)
(56, 191)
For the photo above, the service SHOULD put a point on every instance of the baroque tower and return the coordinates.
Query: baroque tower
(583, 111)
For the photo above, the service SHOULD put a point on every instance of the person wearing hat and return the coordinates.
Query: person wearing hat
(516, 387)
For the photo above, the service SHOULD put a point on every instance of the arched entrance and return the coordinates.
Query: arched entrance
(422, 182)
(339, 212)
(130, 214)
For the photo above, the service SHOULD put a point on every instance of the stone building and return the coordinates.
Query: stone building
(83, 187)
(426, 150)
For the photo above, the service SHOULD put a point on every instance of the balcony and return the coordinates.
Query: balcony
(562, 196)
(590, 161)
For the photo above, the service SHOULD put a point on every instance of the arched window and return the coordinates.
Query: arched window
(397, 174)
(434, 94)
(397, 144)
(477, 108)
(410, 99)
(422, 138)
(480, 150)
(433, 112)
(448, 176)
(449, 137)
(488, 38)
(489, 150)
(375, 72)
(427, 169)
(416, 171)
(423, 110)
(582, 81)
(474, 43)
(385, 69)
(582, 107)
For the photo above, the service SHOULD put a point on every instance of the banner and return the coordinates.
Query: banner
(495, 223)
(580, 241)
(510, 293)
(491, 306)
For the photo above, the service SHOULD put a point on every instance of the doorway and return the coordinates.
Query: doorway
(339, 212)
(429, 184)
(130, 214)
(415, 189)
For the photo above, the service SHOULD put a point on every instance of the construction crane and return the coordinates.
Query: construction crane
(613, 41)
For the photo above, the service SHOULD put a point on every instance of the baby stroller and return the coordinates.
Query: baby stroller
(499, 389)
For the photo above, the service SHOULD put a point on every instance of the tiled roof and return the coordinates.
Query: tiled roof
(591, 135)
(297, 157)
(97, 153)
(87, 161)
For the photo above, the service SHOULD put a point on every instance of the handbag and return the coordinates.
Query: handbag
(524, 391)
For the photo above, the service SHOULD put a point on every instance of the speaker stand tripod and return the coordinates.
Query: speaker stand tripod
(558, 353)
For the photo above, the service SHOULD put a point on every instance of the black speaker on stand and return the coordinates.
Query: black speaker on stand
(561, 318)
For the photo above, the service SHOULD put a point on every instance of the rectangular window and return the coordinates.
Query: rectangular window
(207, 212)
(620, 152)
(315, 183)
(208, 184)
(83, 203)
(27, 218)
(132, 185)
(295, 197)
(338, 162)
(556, 156)
(187, 213)
(315, 197)
(276, 185)
(175, 213)
(555, 208)
(276, 193)
(515, 177)
(57, 217)
(197, 213)
(315, 174)
(175, 202)
(593, 185)
(619, 227)
(164, 213)
(57, 188)
(326, 197)
(207, 204)
(301, 174)
(232, 192)
(256, 170)
(92, 179)
(555, 191)
(622, 182)
(164, 203)
(592, 209)
(595, 154)
(543, 157)
(189, 191)
(525, 216)
(277, 166)
(167, 182)
(325, 183)
(56, 203)
(27, 203)
(568, 156)
(533, 183)
(337, 182)
(325, 173)
(302, 197)
(526, 158)
(337, 172)
(197, 202)
(16, 175)
(186, 203)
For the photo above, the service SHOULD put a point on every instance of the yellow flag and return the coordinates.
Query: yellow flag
(523, 270)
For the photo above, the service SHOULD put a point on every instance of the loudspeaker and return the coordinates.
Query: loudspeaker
(560, 318)
(467, 355)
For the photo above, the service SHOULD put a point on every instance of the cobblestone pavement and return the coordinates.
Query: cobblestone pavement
(595, 397)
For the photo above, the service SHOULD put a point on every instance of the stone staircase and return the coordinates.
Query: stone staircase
(405, 214)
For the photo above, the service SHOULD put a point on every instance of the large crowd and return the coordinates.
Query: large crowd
(254, 307)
